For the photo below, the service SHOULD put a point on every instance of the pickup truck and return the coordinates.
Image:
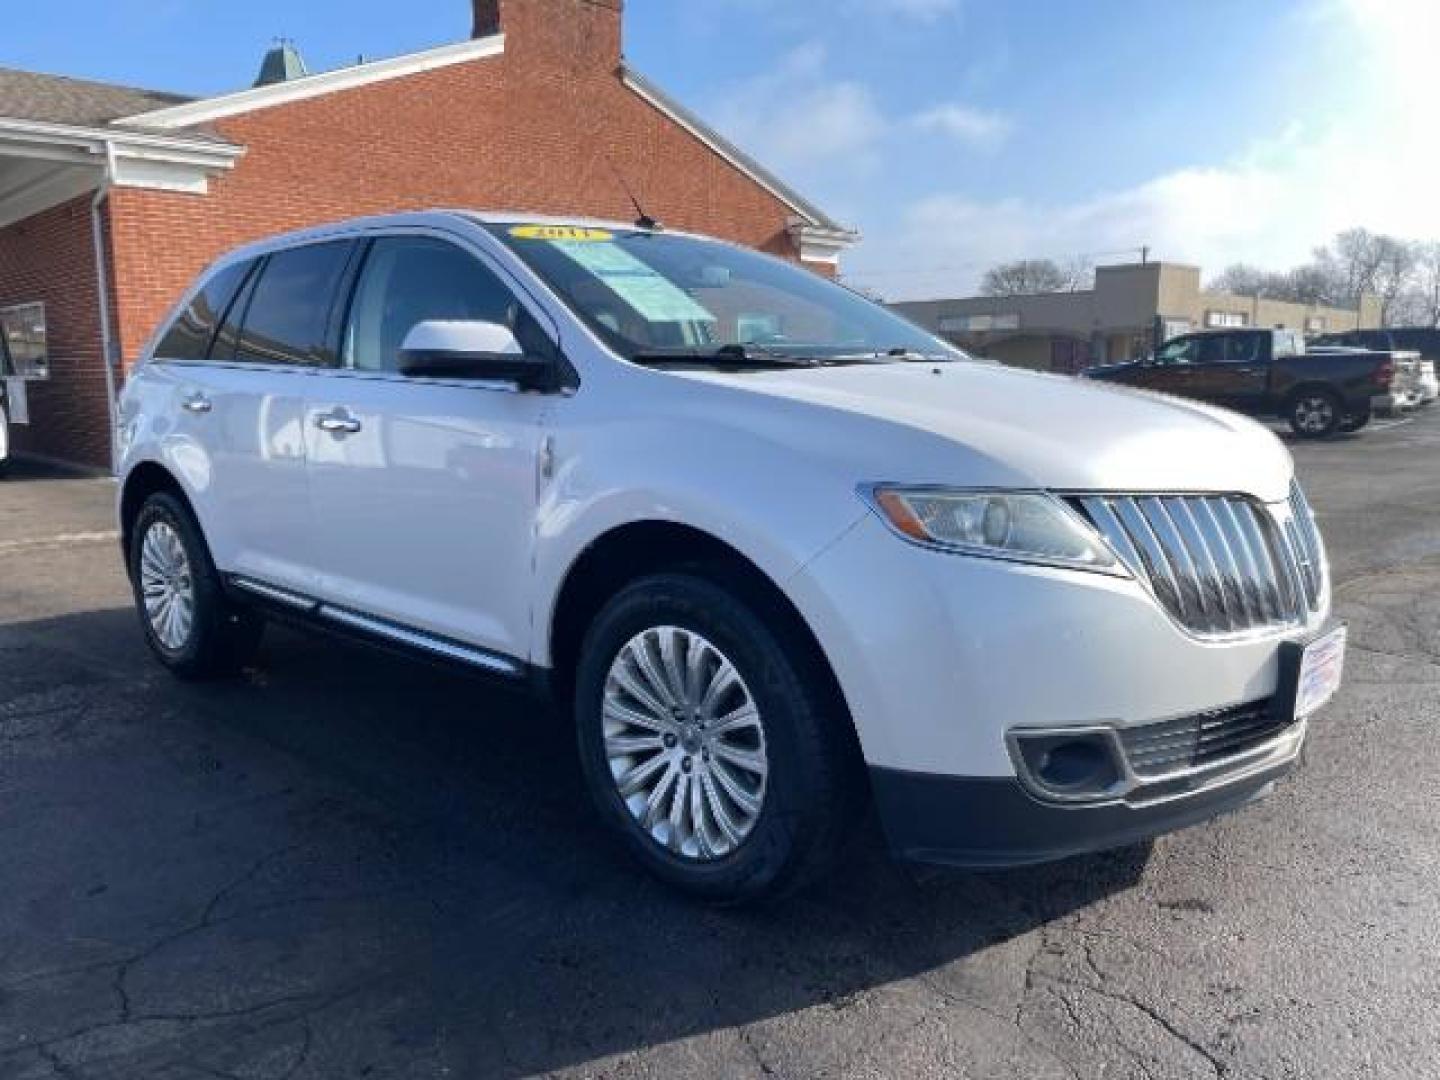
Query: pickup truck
(1264, 373)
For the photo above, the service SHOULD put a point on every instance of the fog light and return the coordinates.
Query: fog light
(1075, 765)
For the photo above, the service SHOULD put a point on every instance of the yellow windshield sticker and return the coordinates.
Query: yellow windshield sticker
(570, 233)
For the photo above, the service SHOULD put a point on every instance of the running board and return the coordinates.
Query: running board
(420, 640)
(275, 593)
(380, 628)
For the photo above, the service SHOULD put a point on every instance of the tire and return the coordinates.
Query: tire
(1315, 414)
(1354, 423)
(217, 639)
(811, 791)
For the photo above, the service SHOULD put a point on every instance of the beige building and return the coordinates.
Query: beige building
(1130, 307)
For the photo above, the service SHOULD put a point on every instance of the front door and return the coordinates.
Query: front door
(1171, 370)
(423, 490)
(1235, 371)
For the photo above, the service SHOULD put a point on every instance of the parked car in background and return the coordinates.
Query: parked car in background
(4, 433)
(4, 409)
(1264, 373)
(777, 550)
(1421, 386)
(1411, 386)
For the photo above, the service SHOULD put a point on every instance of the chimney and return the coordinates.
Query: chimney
(587, 32)
(487, 18)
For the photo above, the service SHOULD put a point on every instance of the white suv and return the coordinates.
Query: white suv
(780, 551)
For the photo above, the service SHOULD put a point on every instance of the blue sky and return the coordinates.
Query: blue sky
(954, 133)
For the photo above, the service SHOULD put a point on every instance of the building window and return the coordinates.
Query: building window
(23, 328)
(1315, 324)
(1175, 327)
(1226, 319)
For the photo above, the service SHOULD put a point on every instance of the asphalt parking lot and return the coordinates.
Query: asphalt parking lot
(349, 866)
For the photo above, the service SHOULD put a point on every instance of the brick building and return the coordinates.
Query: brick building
(112, 199)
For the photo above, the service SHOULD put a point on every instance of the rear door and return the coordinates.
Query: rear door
(423, 490)
(240, 432)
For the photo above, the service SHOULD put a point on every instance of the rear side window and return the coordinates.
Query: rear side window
(193, 330)
(287, 315)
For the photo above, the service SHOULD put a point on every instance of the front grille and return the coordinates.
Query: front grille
(1209, 738)
(1220, 564)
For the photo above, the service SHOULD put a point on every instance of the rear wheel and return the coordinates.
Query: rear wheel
(189, 624)
(1314, 414)
(709, 742)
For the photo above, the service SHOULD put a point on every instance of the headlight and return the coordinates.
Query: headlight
(1020, 526)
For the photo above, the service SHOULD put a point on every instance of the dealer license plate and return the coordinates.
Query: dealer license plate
(1321, 666)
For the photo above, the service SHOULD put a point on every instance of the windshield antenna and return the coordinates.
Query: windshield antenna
(643, 220)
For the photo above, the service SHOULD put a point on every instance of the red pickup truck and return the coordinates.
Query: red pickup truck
(1264, 373)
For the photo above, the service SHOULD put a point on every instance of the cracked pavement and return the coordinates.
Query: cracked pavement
(347, 865)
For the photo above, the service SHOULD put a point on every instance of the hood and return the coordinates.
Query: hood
(978, 424)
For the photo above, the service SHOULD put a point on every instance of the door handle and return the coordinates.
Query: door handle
(338, 422)
(198, 403)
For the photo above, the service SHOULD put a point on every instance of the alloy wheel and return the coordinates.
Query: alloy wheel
(1314, 414)
(685, 743)
(167, 586)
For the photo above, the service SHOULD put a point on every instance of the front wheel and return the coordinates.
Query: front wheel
(709, 741)
(189, 624)
(1314, 414)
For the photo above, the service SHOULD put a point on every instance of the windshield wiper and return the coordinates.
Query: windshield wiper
(737, 356)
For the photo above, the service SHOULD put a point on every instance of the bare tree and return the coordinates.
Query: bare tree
(1025, 277)
(1356, 256)
(1394, 270)
(1242, 279)
(1425, 292)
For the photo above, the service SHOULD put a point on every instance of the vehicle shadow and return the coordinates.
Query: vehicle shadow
(367, 863)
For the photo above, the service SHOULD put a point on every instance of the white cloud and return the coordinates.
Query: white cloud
(964, 123)
(797, 118)
(1372, 165)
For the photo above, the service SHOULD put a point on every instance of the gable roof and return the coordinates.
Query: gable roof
(58, 99)
(657, 97)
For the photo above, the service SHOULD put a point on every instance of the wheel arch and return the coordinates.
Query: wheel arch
(144, 480)
(637, 549)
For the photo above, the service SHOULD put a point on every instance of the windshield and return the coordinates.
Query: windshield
(654, 296)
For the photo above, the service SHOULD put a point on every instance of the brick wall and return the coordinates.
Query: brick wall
(544, 128)
(50, 257)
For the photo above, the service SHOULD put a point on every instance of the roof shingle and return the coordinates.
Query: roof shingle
(56, 99)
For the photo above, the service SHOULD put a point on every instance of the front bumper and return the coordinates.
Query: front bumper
(987, 822)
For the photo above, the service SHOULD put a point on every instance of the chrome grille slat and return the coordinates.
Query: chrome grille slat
(1219, 564)
(1179, 558)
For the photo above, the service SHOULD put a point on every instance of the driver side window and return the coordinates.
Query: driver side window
(407, 280)
(1179, 351)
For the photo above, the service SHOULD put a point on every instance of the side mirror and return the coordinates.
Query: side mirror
(471, 349)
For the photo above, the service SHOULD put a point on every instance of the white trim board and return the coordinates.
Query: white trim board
(311, 86)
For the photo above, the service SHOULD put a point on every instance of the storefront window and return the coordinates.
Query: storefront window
(23, 328)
